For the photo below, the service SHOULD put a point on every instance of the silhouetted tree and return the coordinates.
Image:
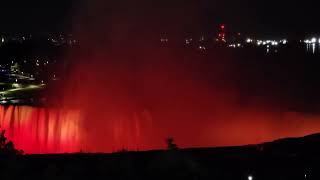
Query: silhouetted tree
(7, 148)
(170, 144)
(3, 139)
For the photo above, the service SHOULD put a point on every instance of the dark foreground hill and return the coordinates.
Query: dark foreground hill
(292, 158)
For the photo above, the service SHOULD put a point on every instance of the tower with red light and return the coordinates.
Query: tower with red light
(221, 34)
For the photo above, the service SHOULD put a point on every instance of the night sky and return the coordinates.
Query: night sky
(269, 17)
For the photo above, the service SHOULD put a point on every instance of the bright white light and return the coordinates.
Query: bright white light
(313, 40)
(249, 40)
(16, 85)
(313, 48)
(284, 41)
(250, 178)
(202, 47)
(238, 45)
(164, 40)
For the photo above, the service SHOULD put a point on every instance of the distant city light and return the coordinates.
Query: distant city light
(164, 40)
(313, 48)
(313, 40)
(307, 41)
(250, 177)
(202, 48)
(249, 40)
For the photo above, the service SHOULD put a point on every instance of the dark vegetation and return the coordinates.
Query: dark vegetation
(7, 147)
(286, 159)
(170, 144)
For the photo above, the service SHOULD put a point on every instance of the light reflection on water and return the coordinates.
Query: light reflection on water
(310, 48)
(313, 48)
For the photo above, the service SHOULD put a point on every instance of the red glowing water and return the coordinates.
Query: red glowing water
(40, 130)
(48, 130)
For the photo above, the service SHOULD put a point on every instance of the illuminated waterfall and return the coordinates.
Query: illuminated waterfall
(41, 130)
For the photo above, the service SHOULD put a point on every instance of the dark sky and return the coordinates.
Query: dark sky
(34, 15)
(270, 17)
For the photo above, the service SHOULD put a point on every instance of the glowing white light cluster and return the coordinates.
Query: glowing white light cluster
(188, 41)
(249, 40)
(284, 41)
(235, 45)
(164, 40)
(202, 48)
(271, 42)
(312, 40)
(259, 42)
